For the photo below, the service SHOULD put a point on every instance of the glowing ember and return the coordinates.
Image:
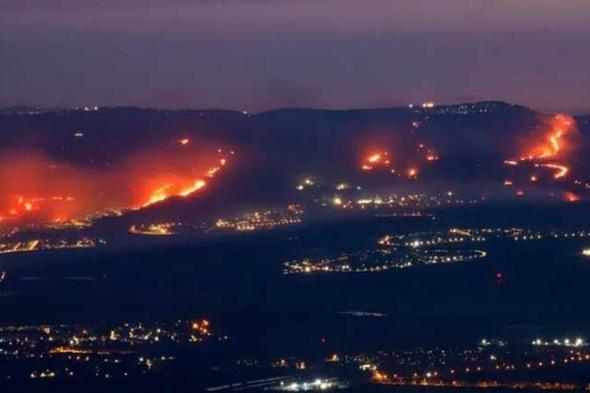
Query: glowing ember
(571, 197)
(562, 170)
(374, 160)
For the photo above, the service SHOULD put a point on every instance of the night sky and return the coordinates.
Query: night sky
(262, 54)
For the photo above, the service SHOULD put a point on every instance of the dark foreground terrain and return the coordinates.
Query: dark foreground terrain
(262, 323)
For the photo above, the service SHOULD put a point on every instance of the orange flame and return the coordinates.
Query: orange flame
(553, 142)
(37, 190)
(553, 145)
(374, 160)
(562, 170)
(571, 197)
(169, 190)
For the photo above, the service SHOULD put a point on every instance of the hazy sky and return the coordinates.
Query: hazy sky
(261, 54)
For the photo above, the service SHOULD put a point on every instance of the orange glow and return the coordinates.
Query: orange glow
(198, 184)
(184, 141)
(177, 186)
(211, 172)
(562, 170)
(553, 142)
(69, 350)
(158, 195)
(38, 190)
(430, 154)
(379, 376)
(412, 172)
(571, 197)
(374, 160)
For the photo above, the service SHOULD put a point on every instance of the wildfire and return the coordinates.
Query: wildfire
(36, 189)
(376, 159)
(553, 141)
(552, 146)
(413, 157)
(20, 206)
(181, 187)
(194, 188)
(158, 195)
(571, 197)
(562, 170)
(429, 154)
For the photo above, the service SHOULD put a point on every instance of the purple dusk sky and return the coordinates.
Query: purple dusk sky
(262, 54)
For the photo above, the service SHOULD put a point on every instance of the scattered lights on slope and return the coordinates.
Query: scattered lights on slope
(19, 246)
(428, 153)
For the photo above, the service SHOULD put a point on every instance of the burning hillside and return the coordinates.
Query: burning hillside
(37, 188)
